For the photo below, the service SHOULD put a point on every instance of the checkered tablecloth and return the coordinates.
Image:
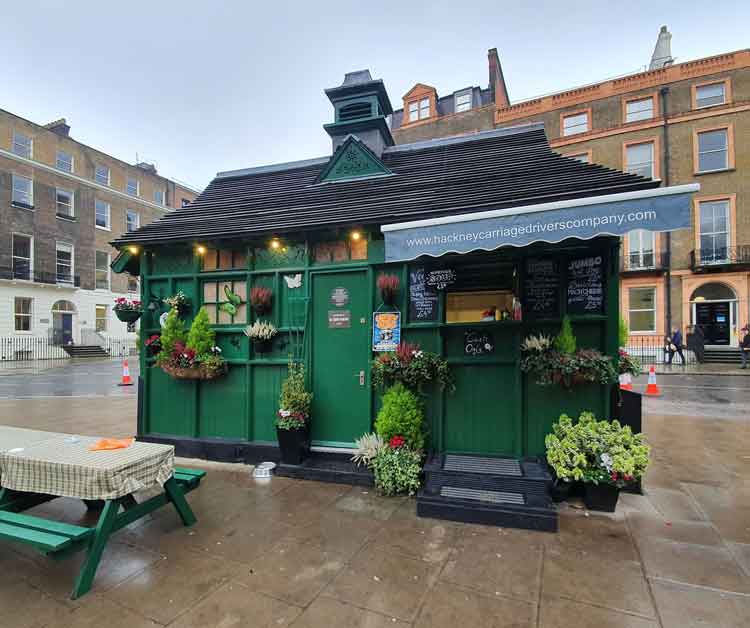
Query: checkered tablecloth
(19, 437)
(62, 465)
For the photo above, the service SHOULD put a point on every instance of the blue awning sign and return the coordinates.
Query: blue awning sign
(660, 209)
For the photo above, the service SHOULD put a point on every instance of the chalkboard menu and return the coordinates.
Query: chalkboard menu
(423, 300)
(441, 279)
(586, 285)
(541, 288)
(478, 342)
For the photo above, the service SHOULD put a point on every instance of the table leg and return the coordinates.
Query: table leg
(177, 497)
(103, 528)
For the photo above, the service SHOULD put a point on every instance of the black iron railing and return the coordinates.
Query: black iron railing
(652, 350)
(644, 262)
(722, 256)
(22, 271)
(50, 347)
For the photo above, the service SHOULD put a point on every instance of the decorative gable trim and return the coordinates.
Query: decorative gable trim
(352, 160)
(420, 89)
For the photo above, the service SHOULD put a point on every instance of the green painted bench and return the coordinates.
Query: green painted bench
(58, 540)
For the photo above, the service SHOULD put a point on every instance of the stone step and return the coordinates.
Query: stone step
(328, 467)
(85, 351)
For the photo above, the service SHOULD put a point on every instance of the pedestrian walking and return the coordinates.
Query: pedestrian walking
(696, 342)
(745, 346)
(674, 345)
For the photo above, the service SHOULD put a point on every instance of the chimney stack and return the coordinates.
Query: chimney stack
(59, 126)
(662, 56)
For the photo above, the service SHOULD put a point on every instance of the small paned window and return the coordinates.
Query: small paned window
(215, 294)
(575, 123)
(102, 214)
(23, 191)
(22, 256)
(133, 187)
(642, 309)
(462, 102)
(132, 220)
(159, 197)
(64, 161)
(642, 109)
(133, 284)
(714, 231)
(640, 159)
(101, 175)
(102, 270)
(710, 95)
(64, 203)
(23, 145)
(101, 317)
(341, 251)
(64, 259)
(640, 249)
(224, 259)
(22, 313)
(419, 109)
(713, 150)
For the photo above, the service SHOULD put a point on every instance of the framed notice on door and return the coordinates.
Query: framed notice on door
(386, 331)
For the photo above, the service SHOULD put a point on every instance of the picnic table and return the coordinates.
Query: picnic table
(37, 466)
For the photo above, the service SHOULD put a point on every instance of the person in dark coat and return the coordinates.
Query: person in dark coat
(745, 346)
(675, 345)
(696, 342)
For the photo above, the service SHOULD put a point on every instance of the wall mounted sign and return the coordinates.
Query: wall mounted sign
(441, 279)
(478, 342)
(423, 300)
(386, 331)
(339, 297)
(541, 288)
(586, 285)
(339, 319)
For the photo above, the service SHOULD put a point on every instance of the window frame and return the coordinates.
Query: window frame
(72, 213)
(29, 316)
(109, 175)
(571, 114)
(71, 249)
(108, 227)
(730, 200)
(655, 309)
(727, 82)
(137, 285)
(137, 215)
(30, 193)
(418, 103)
(137, 187)
(655, 113)
(97, 318)
(99, 270)
(26, 138)
(655, 155)
(729, 129)
(13, 255)
(461, 94)
(163, 193)
(58, 161)
(640, 251)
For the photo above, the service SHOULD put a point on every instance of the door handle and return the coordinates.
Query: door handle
(361, 376)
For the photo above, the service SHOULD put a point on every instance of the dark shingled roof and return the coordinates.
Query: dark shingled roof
(490, 170)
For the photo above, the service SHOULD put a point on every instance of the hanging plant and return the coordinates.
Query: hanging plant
(388, 286)
(261, 299)
(178, 302)
(127, 310)
(261, 334)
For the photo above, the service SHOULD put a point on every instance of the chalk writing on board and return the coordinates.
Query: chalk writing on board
(423, 300)
(541, 287)
(478, 342)
(586, 285)
(441, 279)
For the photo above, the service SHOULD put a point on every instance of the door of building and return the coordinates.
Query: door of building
(62, 328)
(714, 320)
(339, 358)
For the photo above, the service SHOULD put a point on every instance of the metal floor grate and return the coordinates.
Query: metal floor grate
(490, 466)
(494, 497)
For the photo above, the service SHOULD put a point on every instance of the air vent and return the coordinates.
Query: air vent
(355, 111)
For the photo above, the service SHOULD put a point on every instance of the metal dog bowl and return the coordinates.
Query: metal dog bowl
(264, 470)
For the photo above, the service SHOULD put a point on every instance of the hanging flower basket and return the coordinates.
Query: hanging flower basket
(261, 300)
(262, 346)
(128, 316)
(194, 372)
(388, 286)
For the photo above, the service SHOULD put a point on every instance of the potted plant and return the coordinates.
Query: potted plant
(411, 366)
(261, 334)
(127, 310)
(388, 286)
(293, 417)
(153, 345)
(193, 355)
(179, 302)
(261, 300)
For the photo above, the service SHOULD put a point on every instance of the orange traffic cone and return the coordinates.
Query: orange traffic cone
(652, 389)
(126, 381)
(626, 382)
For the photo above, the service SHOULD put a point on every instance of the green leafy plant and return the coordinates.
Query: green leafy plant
(601, 452)
(626, 363)
(172, 333)
(623, 332)
(565, 342)
(412, 367)
(402, 414)
(367, 447)
(397, 469)
(201, 337)
(295, 400)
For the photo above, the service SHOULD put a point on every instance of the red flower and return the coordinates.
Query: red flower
(405, 351)
(613, 477)
(396, 442)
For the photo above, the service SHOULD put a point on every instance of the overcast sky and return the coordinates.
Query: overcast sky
(199, 87)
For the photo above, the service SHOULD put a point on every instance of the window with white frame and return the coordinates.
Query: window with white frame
(64, 256)
(23, 145)
(23, 253)
(64, 161)
(713, 150)
(640, 249)
(133, 187)
(132, 220)
(159, 197)
(576, 123)
(23, 191)
(100, 316)
(22, 313)
(133, 284)
(640, 159)
(102, 270)
(419, 109)
(714, 231)
(641, 109)
(64, 203)
(462, 101)
(710, 95)
(101, 175)
(642, 309)
(102, 210)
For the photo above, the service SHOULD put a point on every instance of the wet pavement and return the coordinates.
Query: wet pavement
(304, 554)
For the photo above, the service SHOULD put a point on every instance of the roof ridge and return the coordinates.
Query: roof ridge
(470, 137)
(284, 165)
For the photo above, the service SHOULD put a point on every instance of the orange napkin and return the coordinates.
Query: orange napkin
(108, 444)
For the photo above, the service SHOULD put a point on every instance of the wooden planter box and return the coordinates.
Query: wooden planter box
(195, 372)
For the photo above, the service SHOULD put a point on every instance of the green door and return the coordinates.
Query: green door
(340, 355)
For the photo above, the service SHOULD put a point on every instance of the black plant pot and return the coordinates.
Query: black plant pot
(294, 444)
(602, 497)
(128, 316)
(560, 490)
(262, 346)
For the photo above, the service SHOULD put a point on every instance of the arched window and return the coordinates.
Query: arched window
(713, 292)
(64, 306)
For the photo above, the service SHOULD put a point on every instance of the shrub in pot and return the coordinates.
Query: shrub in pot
(261, 334)
(193, 355)
(293, 417)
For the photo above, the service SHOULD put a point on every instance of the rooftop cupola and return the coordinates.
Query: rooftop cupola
(361, 106)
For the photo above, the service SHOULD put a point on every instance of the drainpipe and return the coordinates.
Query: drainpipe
(664, 95)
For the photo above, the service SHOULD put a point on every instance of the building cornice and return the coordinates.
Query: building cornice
(74, 177)
(624, 85)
